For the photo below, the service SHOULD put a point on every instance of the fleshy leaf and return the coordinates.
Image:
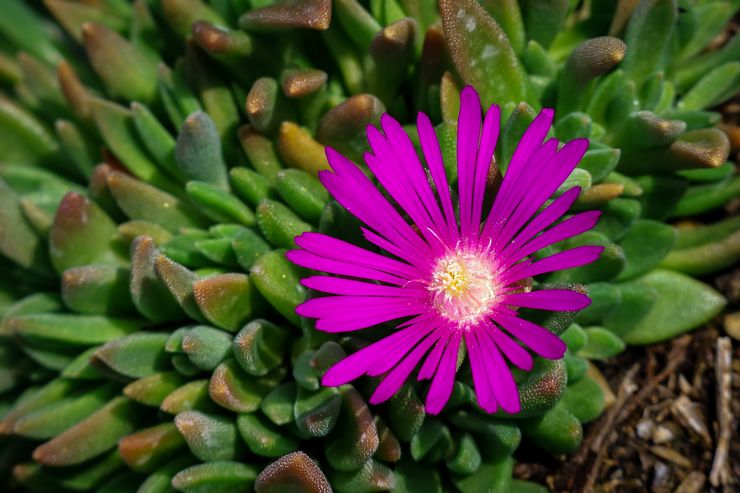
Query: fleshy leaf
(216, 477)
(293, 471)
(228, 300)
(91, 437)
(83, 234)
(210, 437)
(682, 304)
(482, 53)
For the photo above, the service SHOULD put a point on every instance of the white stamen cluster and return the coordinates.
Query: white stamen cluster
(463, 287)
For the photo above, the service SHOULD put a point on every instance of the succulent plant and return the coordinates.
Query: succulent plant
(160, 156)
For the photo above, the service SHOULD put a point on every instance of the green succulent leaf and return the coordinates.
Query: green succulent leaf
(481, 52)
(682, 303)
(217, 476)
(91, 437)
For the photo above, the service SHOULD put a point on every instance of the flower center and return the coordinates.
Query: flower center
(463, 287)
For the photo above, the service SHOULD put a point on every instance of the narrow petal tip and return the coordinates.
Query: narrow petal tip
(290, 255)
(434, 407)
(547, 113)
(490, 408)
(468, 92)
(512, 405)
(301, 310)
(387, 120)
(334, 378)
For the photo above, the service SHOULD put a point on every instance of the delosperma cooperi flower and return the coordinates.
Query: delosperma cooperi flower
(449, 277)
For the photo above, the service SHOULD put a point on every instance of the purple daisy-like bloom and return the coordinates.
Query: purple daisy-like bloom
(453, 278)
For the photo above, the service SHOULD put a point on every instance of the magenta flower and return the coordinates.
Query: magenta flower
(451, 278)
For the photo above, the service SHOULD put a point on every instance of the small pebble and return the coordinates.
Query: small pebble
(645, 429)
(663, 434)
(661, 477)
(732, 325)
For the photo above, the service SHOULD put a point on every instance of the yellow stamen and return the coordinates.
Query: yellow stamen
(463, 287)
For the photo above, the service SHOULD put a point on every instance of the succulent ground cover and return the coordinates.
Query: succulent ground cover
(159, 157)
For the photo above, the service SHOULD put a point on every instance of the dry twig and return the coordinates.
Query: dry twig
(720, 473)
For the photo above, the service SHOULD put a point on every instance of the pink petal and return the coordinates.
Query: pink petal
(386, 245)
(468, 135)
(433, 156)
(489, 138)
(572, 226)
(530, 141)
(549, 299)
(416, 177)
(351, 188)
(538, 339)
(378, 217)
(338, 285)
(348, 313)
(502, 381)
(515, 353)
(531, 195)
(310, 260)
(546, 218)
(501, 212)
(528, 145)
(392, 177)
(430, 364)
(403, 346)
(333, 248)
(575, 257)
(393, 381)
(444, 378)
(481, 377)
(358, 364)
